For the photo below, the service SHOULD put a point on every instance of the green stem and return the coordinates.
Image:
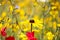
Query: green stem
(31, 27)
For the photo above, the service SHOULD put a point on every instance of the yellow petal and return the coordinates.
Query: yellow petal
(1, 26)
(22, 12)
(3, 14)
(11, 8)
(54, 25)
(58, 25)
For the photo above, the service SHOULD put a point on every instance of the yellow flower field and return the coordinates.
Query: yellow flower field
(29, 19)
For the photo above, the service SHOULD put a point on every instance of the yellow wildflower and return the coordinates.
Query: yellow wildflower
(54, 7)
(22, 36)
(11, 8)
(54, 13)
(54, 25)
(24, 25)
(49, 36)
(15, 27)
(3, 14)
(38, 23)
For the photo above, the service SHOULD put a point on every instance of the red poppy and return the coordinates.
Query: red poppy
(30, 36)
(10, 38)
(3, 33)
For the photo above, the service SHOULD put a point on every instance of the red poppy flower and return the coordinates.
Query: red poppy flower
(30, 36)
(3, 33)
(10, 38)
